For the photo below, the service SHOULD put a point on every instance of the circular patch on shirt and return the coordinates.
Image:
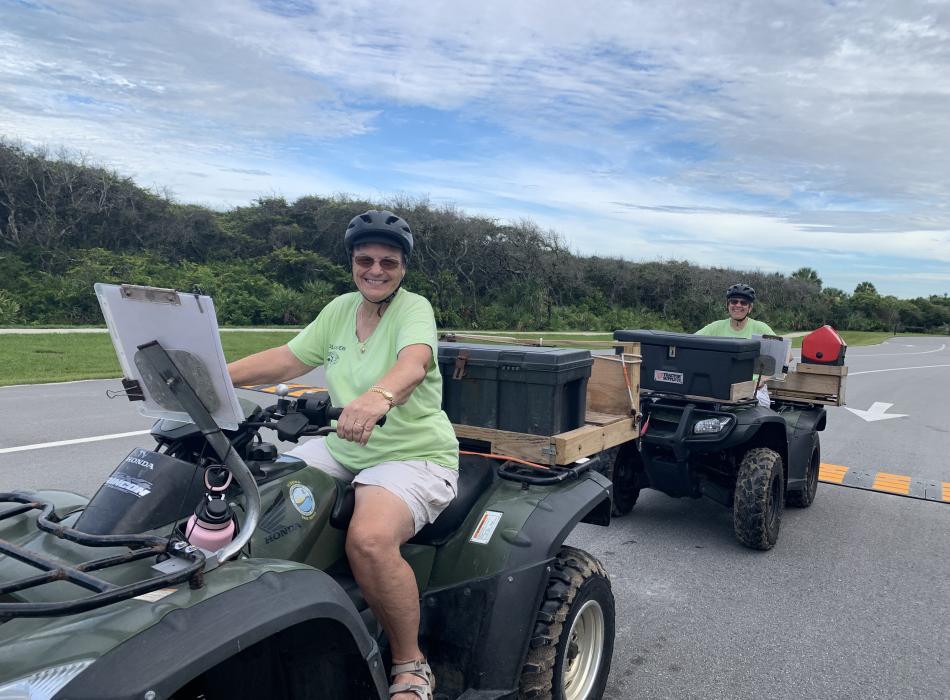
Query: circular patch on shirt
(302, 499)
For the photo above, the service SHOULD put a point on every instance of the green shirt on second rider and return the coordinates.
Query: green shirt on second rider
(723, 328)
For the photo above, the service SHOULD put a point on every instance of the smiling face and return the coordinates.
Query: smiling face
(377, 270)
(738, 308)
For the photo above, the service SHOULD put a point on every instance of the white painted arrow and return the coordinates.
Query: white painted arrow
(878, 411)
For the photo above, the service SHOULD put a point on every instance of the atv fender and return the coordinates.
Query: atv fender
(189, 641)
(803, 427)
(481, 627)
(759, 427)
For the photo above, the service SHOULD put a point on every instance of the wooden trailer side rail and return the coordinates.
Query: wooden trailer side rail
(601, 432)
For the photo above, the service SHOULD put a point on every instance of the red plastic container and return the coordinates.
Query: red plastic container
(824, 347)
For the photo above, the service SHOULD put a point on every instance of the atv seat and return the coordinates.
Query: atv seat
(475, 475)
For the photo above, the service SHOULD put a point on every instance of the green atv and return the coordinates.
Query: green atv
(752, 459)
(106, 598)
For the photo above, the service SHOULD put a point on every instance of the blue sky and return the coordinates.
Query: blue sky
(759, 135)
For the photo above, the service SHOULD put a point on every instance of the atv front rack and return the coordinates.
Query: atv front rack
(189, 567)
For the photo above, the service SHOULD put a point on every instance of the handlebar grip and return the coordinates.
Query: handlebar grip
(334, 413)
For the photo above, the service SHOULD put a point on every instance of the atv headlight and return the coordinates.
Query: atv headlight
(709, 426)
(43, 684)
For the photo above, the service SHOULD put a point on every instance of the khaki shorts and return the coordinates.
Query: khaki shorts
(426, 487)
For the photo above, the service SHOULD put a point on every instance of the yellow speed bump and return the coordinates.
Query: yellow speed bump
(832, 473)
(892, 483)
(885, 482)
(296, 390)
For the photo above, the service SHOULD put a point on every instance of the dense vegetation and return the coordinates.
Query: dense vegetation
(65, 225)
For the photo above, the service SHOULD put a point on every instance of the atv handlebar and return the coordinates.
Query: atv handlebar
(309, 415)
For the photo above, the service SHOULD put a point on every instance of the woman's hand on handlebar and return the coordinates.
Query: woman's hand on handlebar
(360, 416)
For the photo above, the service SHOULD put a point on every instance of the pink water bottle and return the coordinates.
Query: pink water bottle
(212, 525)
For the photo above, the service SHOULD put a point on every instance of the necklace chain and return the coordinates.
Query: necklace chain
(362, 343)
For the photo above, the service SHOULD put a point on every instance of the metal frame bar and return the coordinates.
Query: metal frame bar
(54, 570)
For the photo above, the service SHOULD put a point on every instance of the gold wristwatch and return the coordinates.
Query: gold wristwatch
(385, 393)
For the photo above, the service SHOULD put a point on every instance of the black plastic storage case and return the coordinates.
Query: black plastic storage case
(542, 391)
(694, 365)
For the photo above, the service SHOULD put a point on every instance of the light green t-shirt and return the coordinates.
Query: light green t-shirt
(723, 329)
(417, 429)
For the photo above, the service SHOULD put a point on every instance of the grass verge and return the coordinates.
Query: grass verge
(62, 357)
(59, 357)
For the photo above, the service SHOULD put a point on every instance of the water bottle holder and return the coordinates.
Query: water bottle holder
(182, 527)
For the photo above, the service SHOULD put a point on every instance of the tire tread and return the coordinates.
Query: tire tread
(570, 570)
(750, 510)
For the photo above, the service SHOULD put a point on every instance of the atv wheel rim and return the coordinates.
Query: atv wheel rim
(585, 647)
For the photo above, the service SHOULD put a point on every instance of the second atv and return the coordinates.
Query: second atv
(750, 458)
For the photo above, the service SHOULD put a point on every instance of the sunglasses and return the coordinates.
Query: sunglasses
(740, 302)
(366, 262)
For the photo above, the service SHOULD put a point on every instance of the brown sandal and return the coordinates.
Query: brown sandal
(419, 668)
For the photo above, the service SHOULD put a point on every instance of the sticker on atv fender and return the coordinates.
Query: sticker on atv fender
(155, 596)
(486, 527)
(669, 377)
(302, 499)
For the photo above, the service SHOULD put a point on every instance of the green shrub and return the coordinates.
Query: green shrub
(9, 308)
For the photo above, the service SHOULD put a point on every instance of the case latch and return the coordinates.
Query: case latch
(460, 361)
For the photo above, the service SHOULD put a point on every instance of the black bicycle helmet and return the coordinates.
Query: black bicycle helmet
(376, 226)
(742, 291)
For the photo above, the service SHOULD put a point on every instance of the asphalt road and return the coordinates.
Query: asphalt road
(853, 602)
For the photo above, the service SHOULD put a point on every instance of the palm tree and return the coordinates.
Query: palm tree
(808, 276)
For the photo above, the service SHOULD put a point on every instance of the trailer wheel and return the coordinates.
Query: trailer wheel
(759, 498)
(626, 479)
(804, 498)
(573, 638)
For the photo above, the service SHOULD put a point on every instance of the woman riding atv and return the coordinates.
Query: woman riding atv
(739, 301)
(377, 347)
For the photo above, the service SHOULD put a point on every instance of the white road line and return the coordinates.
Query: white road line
(899, 354)
(71, 381)
(60, 443)
(894, 369)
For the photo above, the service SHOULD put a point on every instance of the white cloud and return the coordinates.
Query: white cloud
(801, 126)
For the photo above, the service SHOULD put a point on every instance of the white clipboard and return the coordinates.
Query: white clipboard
(187, 327)
(773, 356)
